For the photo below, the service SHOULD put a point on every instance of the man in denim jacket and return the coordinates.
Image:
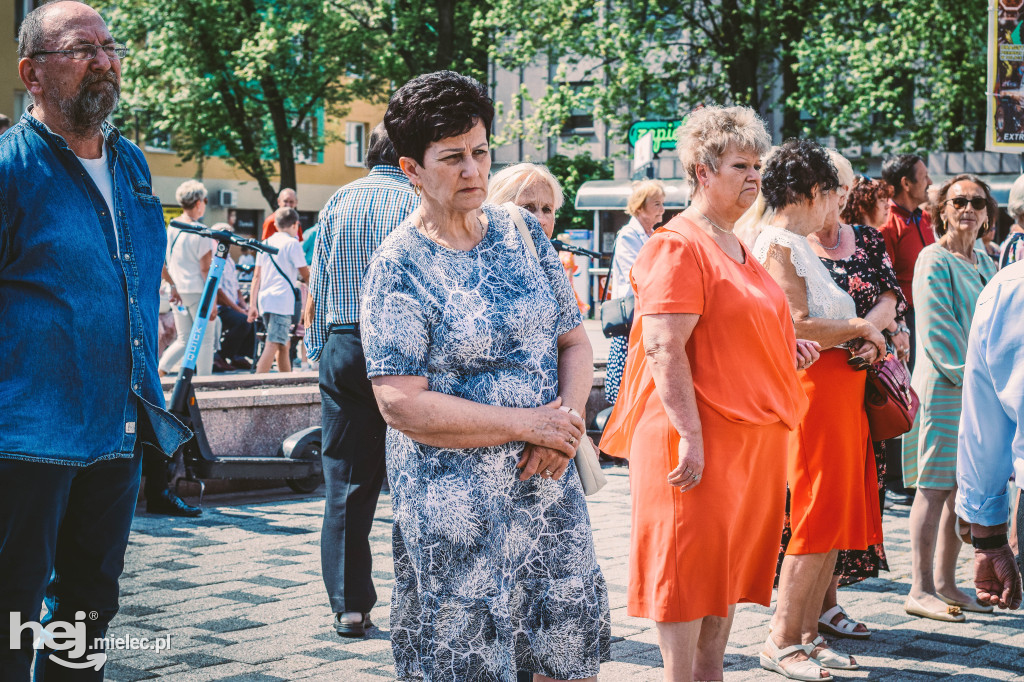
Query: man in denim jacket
(81, 247)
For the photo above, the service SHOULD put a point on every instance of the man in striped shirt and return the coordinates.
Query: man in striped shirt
(352, 225)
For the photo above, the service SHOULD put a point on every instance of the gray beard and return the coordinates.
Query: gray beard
(89, 108)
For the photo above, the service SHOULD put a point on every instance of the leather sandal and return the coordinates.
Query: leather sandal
(808, 670)
(845, 627)
(829, 658)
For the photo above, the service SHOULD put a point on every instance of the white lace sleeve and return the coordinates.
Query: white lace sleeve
(824, 297)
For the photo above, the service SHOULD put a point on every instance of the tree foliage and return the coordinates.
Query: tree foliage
(246, 79)
(910, 73)
(571, 173)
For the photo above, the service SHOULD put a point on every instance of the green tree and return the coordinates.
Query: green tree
(571, 173)
(644, 58)
(253, 80)
(906, 73)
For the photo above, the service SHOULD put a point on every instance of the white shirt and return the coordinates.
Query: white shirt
(628, 243)
(104, 179)
(229, 280)
(183, 254)
(990, 445)
(277, 295)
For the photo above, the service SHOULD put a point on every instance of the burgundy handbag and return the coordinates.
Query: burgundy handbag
(889, 400)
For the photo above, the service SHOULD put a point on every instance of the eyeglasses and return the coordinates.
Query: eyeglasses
(960, 203)
(88, 51)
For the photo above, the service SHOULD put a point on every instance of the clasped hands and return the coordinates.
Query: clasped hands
(552, 435)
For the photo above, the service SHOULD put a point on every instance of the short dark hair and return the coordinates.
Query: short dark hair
(935, 209)
(285, 217)
(380, 151)
(895, 168)
(794, 170)
(433, 107)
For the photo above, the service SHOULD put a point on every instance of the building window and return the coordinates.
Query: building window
(355, 143)
(21, 102)
(307, 153)
(21, 10)
(581, 118)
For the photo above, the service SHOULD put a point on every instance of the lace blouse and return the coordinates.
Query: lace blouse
(824, 297)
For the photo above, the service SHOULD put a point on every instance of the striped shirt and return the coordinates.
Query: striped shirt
(352, 225)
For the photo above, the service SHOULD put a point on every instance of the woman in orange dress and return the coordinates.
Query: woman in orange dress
(709, 398)
(831, 463)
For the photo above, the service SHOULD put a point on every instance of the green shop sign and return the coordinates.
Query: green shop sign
(664, 133)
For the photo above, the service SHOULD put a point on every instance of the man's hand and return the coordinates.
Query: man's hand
(996, 577)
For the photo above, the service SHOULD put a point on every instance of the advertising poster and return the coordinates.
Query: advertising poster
(1005, 121)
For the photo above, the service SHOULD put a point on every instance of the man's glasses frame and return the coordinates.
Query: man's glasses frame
(87, 51)
(960, 203)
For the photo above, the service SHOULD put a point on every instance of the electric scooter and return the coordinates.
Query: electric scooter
(298, 459)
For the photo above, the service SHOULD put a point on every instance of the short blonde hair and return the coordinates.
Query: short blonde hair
(511, 181)
(709, 131)
(190, 193)
(844, 169)
(642, 191)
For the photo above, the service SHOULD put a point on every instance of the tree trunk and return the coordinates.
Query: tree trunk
(445, 34)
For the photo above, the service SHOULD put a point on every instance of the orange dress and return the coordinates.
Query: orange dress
(695, 554)
(833, 480)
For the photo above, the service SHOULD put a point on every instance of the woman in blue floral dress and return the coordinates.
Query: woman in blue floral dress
(482, 370)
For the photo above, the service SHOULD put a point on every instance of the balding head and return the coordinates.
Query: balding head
(45, 24)
(287, 198)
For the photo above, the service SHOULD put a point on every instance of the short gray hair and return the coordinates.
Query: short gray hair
(1015, 204)
(190, 193)
(508, 183)
(285, 217)
(32, 35)
(709, 131)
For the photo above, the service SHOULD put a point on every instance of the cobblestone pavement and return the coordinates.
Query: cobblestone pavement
(239, 593)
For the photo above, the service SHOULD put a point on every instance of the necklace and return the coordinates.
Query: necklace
(481, 222)
(712, 223)
(839, 240)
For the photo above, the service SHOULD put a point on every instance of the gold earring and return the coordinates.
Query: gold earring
(416, 190)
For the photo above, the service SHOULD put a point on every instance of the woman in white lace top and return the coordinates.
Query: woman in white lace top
(830, 469)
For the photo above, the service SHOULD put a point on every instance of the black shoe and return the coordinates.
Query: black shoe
(170, 504)
(240, 363)
(352, 627)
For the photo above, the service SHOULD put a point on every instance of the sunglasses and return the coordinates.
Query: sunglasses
(960, 203)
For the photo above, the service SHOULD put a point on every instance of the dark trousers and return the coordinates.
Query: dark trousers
(354, 470)
(72, 523)
(238, 338)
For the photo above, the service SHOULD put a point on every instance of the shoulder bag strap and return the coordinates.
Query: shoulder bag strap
(517, 218)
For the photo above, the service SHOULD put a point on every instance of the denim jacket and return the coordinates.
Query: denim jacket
(78, 375)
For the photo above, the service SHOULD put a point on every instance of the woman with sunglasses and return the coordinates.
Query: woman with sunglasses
(948, 278)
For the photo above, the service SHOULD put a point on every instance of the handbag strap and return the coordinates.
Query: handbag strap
(608, 277)
(517, 218)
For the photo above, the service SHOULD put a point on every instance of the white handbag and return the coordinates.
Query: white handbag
(587, 464)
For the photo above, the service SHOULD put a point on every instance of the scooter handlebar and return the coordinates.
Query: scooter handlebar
(223, 236)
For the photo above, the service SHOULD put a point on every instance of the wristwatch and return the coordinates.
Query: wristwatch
(991, 542)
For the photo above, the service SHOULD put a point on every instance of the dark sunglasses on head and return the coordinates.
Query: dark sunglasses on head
(960, 203)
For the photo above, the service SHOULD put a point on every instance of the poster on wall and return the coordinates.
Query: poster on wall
(1005, 117)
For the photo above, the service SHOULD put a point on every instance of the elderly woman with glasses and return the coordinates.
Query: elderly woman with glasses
(482, 369)
(948, 279)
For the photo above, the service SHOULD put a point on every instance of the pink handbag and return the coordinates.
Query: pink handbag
(889, 400)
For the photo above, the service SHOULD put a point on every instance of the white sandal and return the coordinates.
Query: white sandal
(808, 671)
(830, 658)
(844, 628)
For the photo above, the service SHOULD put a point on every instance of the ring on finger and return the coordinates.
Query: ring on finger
(572, 440)
(548, 473)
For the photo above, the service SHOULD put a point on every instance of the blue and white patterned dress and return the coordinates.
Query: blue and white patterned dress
(491, 574)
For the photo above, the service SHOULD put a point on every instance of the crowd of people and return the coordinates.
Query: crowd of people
(453, 361)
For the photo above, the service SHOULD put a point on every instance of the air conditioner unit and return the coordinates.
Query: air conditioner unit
(227, 198)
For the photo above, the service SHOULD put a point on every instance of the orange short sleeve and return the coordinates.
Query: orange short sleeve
(668, 277)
